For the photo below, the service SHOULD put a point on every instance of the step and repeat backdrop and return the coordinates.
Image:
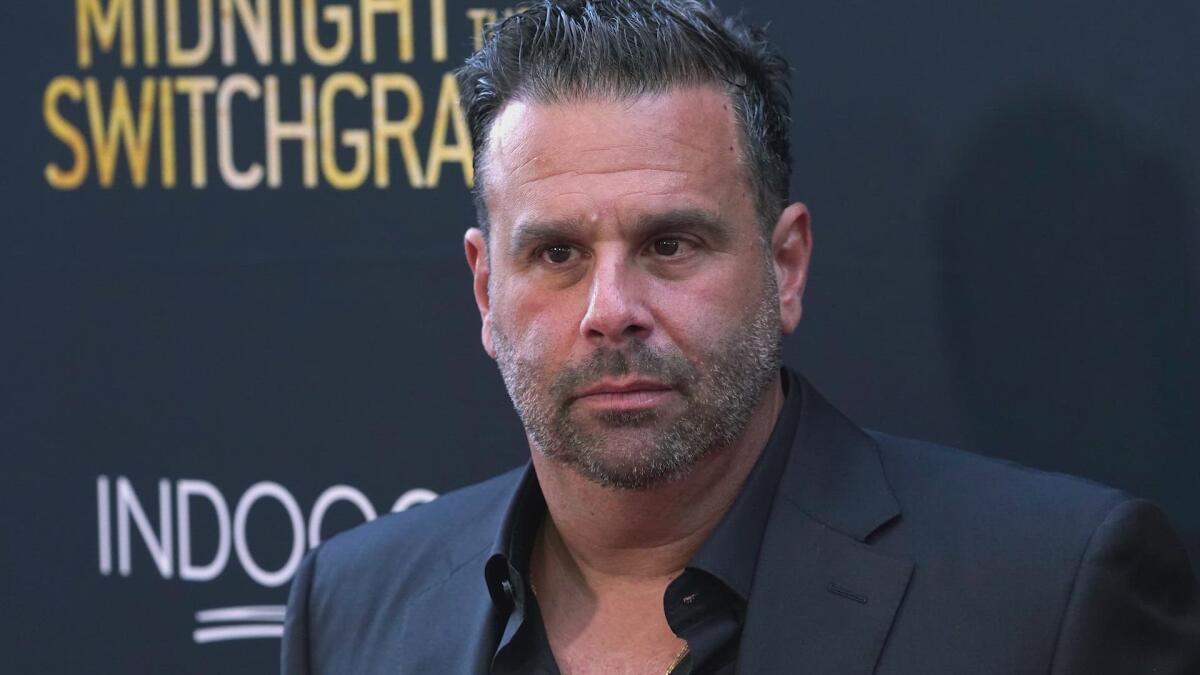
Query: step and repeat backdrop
(235, 318)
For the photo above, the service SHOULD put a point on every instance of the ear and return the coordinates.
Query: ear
(791, 250)
(475, 246)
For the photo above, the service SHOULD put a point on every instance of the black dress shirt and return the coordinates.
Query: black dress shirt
(705, 605)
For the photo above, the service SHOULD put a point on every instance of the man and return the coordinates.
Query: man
(690, 507)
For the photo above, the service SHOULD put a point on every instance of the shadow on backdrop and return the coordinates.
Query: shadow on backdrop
(1069, 307)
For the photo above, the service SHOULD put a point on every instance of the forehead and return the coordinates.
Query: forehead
(612, 160)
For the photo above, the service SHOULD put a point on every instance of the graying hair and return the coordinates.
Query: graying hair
(565, 50)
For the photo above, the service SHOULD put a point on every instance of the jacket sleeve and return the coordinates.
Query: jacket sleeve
(1134, 606)
(295, 649)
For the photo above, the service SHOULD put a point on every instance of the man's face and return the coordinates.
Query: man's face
(626, 290)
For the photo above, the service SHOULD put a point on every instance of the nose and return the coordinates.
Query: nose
(617, 309)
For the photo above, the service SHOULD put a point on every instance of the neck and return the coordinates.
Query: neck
(602, 536)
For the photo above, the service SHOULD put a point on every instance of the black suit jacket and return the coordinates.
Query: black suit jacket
(881, 555)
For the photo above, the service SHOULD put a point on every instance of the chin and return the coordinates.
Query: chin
(631, 478)
(634, 466)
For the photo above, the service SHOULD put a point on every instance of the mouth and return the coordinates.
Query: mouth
(624, 394)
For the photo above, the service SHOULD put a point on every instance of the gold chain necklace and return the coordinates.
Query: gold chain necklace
(678, 658)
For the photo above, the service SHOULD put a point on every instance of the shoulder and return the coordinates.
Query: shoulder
(1052, 563)
(927, 473)
(418, 546)
(348, 598)
(978, 490)
(1020, 523)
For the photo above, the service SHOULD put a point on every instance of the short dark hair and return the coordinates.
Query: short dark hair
(560, 50)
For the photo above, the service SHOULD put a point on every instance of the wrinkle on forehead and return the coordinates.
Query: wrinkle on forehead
(598, 172)
(521, 126)
(681, 143)
(544, 163)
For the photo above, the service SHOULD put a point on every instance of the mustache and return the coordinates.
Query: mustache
(669, 367)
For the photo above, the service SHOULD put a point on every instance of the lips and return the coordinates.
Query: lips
(619, 387)
(625, 395)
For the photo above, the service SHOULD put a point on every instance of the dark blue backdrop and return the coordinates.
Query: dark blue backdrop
(1007, 259)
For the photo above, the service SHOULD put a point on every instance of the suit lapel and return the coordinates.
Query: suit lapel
(451, 627)
(823, 601)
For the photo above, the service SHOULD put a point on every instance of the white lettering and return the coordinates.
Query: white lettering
(104, 518)
(328, 497)
(305, 131)
(234, 177)
(159, 545)
(240, 514)
(185, 489)
(412, 498)
(231, 533)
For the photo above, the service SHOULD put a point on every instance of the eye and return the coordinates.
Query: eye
(557, 254)
(666, 247)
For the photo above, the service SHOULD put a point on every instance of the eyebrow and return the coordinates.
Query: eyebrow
(536, 233)
(708, 225)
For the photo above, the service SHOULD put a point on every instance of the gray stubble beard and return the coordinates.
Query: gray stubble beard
(719, 400)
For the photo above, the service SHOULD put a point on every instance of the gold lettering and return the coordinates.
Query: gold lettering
(448, 110)
(357, 139)
(179, 56)
(255, 21)
(304, 131)
(404, 29)
(399, 130)
(335, 14)
(108, 139)
(89, 18)
(437, 19)
(150, 32)
(481, 18)
(63, 130)
(196, 88)
(166, 133)
(287, 32)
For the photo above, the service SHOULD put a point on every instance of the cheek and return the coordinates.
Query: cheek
(538, 324)
(698, 316)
